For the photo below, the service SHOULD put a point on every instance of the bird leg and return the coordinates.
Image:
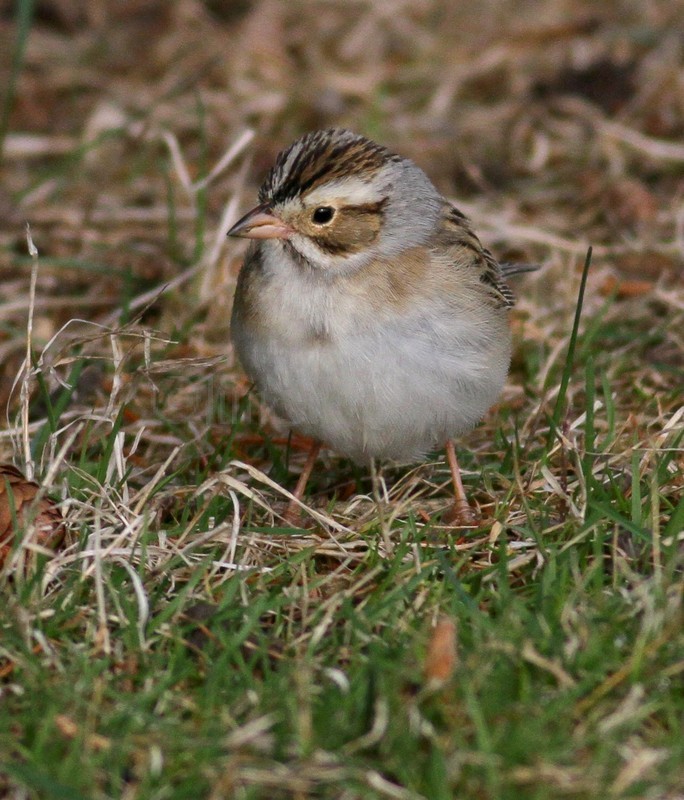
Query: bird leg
(293, 512)
(460, 513)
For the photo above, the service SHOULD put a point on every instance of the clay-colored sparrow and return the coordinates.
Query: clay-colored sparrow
(367, 312)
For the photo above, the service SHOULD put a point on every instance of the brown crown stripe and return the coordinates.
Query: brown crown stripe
(322, 157)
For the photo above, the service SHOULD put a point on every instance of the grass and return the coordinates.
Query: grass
(184, 643)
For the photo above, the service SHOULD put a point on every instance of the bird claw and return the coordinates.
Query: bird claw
(294, 517)
(461, 515)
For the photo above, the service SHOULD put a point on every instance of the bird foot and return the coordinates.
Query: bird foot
(294, 517)
(461, 515)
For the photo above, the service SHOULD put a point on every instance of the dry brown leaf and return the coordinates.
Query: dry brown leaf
(440, 661)
(69, 729)
(649, 264)
(625, 289)
(17, 508)
(631, 202)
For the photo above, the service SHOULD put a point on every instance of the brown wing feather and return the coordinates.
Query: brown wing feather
(457, 229)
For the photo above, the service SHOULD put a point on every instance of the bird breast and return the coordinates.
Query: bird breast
(382, 367)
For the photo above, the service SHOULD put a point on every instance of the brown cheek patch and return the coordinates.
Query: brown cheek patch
(354, 228)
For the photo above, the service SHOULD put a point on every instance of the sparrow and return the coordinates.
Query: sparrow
(367, 312)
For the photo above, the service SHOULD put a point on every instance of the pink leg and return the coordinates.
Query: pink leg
(460, 513)
(293, 512)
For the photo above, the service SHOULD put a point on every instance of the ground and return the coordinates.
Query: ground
(182, 641)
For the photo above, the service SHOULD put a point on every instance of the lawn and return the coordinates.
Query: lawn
(182, 641)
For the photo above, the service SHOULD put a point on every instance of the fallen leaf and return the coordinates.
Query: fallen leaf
(20, 507)
(625, 289)
(440, 661)
(68, 728)
(630, 202)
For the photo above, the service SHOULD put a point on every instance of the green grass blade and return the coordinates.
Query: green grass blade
(569, 361)
(24, 18)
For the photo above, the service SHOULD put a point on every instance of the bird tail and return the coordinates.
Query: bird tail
(508, 269)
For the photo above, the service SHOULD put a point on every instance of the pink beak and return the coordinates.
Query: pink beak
(260, 223)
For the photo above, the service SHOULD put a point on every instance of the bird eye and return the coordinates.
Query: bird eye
(323, 214)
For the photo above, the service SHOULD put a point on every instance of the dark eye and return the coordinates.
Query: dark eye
(323, 214)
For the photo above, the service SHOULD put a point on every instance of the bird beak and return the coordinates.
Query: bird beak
(260, 223)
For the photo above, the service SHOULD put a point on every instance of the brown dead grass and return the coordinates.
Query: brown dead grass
(554, 125)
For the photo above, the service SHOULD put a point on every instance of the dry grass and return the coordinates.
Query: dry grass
(135, 136)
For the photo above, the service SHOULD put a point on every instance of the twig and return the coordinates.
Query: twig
(654, 148)
(26, 379)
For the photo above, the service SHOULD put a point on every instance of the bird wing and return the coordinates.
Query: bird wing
(458, 231)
